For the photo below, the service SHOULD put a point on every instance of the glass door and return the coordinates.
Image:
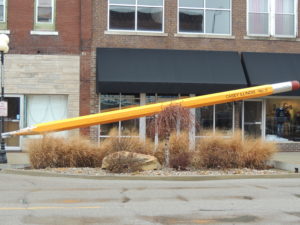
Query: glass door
(252, 118)
(13, 121)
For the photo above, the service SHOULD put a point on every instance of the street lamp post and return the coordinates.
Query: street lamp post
(4, 40)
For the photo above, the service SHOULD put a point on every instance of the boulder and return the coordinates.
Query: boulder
(122, 162)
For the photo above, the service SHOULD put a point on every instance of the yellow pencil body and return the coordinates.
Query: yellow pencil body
(147, 110)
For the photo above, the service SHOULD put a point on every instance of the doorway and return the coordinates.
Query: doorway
(253, 118)
(13, 121)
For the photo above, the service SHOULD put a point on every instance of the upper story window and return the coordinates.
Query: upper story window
(3, 24)
(136, 15)
(204, 16)
(272, 18)
(2, 10)
(45, 15)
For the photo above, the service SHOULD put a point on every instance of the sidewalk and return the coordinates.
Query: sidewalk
(286, 161)
(16, 160)
(283, 160)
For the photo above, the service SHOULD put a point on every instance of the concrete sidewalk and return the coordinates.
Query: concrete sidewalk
(16, 160)
(283, 160)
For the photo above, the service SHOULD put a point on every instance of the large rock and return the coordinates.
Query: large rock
(120, 162)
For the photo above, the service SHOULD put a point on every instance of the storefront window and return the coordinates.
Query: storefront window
(129, 127)
(283, 120)
(217, 117)
(109, 102)
(204, 118)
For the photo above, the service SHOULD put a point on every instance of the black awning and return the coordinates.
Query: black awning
(268, 68)
(167, 71)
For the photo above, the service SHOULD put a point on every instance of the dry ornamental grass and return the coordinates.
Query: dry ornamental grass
(217, 151)
(50, 151)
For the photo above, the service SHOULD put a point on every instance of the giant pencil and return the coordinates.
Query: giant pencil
(140, 111)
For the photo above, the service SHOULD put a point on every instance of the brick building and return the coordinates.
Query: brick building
(42, 68)
(146, 51)
(77, 57)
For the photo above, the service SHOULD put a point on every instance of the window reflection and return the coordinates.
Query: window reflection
(283, 120)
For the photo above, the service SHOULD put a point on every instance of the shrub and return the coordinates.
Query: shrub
(179, 150)
(50, 151)
(172, 118)
(216, 151)
(256, 152)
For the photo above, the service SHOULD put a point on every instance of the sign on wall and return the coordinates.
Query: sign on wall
(3, 108)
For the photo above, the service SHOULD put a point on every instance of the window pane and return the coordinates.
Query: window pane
(1, 2)
(217, 22)
(123, 2)
(191, 3)
(191, 20)
(122, 18)
(219, 4)
(109, 103)
(258, 6)
(46, 108)
(258, 23)
(284, 25)
(150, 2)
(44, 14)
(224, 117)
(45, 3)
(129, 126)
(283, 120)
(204, 119)
(149, 19)
(284, 6)
(1, 13)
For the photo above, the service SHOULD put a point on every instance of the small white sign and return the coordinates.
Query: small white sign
(3, 108)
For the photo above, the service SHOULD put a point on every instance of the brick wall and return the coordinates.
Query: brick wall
(170, 40)
(21, 22)
(238, 41)
(44, 74)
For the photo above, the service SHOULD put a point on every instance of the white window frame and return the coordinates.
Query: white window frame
(4, 11)
(271, 17)
(36, 13)
(135, 26)
(204, 23)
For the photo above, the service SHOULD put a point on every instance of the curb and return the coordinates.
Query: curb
(14, 166)
(150, 178)
(284, 166)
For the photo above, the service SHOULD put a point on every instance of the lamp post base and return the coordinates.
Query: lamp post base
(3, 158)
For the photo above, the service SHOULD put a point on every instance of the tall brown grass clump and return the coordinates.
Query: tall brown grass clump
(180, 154)
(130, 143)
(256, 152)
(217, 151)
(50, 151)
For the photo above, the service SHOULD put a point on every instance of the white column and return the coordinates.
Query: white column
(142, 125)
(192, 131)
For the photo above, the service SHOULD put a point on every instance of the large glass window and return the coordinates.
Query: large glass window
(109, 102)
(44, 14)
(3, 14)
(272, 17)
(283, 120)
(2, 10)
(46, 108)
(216, 117)
(136, 15)
(205, 16)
